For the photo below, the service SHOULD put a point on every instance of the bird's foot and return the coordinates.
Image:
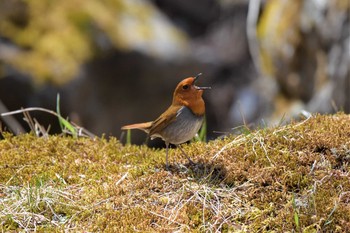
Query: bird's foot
(188, 158)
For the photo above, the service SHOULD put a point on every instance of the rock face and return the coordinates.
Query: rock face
(119, 64)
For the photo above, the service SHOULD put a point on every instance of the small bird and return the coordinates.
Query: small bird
(182, 120)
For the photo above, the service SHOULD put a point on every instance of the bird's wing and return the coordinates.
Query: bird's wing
(165, 119)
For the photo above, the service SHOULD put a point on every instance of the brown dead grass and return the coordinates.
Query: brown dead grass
(244, 183)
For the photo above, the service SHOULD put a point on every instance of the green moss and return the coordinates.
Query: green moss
(243, 183)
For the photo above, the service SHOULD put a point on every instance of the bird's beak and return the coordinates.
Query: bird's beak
(199, 88)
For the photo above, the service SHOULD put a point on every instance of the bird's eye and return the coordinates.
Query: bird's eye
(185, 87)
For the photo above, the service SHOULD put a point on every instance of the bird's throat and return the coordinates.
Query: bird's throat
(197, 107)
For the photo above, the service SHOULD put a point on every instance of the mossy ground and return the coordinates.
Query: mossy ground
(292, 178)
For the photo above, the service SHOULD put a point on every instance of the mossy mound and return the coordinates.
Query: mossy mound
(283, 179)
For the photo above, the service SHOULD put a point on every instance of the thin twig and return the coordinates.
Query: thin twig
(28, 110)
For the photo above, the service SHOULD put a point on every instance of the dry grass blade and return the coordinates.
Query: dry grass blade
(217, 204)
(34, 125)
(258, 141)
(30, 122)
(243, 138)
(82, 132)
(39, 130)
(238, 140)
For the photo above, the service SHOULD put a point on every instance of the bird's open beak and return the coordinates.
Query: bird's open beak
(199, 88)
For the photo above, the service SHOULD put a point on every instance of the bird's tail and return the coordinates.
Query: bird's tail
(141, 126)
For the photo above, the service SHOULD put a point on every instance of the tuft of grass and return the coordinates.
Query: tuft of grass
(128, 137)
(203, 131)
(64, 124)
(202, 134)
(296, 214)
(36, 205)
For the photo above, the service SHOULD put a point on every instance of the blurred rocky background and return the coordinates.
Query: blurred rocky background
(116, 62)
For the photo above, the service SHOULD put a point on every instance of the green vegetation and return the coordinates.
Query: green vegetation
(202, 134)
(292, 178)
(64, 124)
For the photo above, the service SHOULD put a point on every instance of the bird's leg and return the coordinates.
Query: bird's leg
(166, 155)
(183, 152)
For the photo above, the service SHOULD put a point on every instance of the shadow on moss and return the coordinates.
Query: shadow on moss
(201, 171)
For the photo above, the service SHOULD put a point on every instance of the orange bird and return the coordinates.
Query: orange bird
(182, 120)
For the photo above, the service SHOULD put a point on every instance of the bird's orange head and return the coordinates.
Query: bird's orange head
(190, 95)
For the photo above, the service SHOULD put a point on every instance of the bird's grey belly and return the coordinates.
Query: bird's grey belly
(183, 129)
